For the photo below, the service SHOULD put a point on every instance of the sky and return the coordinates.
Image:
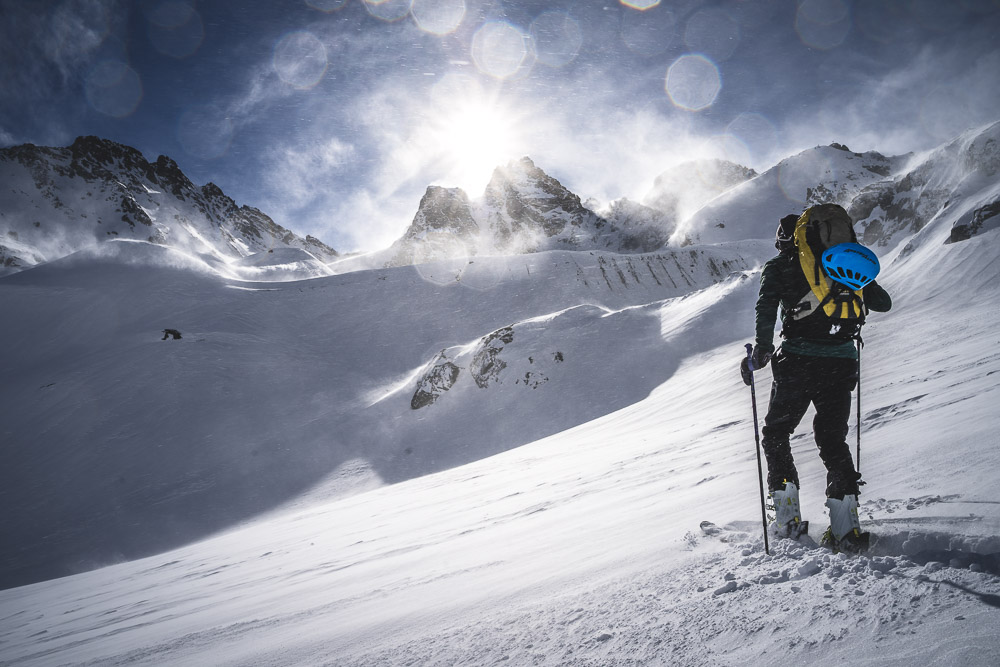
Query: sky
(333, 116)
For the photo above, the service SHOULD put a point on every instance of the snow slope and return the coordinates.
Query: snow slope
(488, 461)
(818, 175)
(583, 548)
(274, 386)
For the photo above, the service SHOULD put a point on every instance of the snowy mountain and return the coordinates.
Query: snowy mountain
(685, 188)
(523, 210)
(494, 460)
(444, 226)
(643, 226)
(526, 210)
(752, 209)
(56, 201)
(959, 175)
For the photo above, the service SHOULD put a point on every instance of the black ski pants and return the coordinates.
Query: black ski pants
(827, 383)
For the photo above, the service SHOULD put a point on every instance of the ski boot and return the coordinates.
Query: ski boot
(788, 517)
(844, 533)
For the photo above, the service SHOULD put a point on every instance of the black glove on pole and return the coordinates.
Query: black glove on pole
(747, 368)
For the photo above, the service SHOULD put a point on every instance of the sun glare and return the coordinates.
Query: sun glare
(475, 137)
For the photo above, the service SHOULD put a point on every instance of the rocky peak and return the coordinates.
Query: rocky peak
(95, 158)
(444, 209)
(106, 152)
(983, 151)
(212, 191)
(443, 226)
(531, 184)
(169, 175)
(123, 196)
(524, 206)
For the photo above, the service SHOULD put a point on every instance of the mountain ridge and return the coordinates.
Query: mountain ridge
(522, 210)
(60, 200)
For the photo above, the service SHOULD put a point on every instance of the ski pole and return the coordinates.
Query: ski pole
(756, 435)
(860, 345)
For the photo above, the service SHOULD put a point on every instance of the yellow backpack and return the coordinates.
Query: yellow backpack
(820, 227)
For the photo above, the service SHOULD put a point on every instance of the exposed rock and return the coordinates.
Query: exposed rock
(525, 207)
(982, 219)
(443, 226)
(486, 363)
(437, 380)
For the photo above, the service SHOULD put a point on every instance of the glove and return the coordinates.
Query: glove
(760, 356)
(745, 372)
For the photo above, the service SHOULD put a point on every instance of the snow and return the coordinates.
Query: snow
(260, 492)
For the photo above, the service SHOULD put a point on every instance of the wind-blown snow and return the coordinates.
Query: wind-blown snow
(548, 518)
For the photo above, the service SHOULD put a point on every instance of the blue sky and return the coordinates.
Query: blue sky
(333, 116)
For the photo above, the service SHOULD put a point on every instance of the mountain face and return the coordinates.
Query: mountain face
(643, 226)
(682, 190)
(56, 201)
(444, 226)
(962, 173)
(523, 210)
(818, 175)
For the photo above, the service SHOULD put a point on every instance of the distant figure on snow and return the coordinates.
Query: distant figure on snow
(167, 333)
(821, 318)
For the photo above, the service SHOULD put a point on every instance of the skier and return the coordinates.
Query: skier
(817, 363)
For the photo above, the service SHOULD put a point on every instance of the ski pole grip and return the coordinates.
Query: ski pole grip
(750, 356)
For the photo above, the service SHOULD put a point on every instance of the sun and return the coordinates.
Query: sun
(473, 137)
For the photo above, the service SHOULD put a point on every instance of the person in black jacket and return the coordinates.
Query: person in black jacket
(816, 364)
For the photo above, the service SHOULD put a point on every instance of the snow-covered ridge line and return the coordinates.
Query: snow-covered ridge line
(60, 200)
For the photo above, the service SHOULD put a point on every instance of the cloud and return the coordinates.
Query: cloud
(37, 44)
(299, 176)
(7, 139)
(46, 53)
(927, 100)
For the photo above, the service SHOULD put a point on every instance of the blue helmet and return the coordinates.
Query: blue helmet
(850, 264)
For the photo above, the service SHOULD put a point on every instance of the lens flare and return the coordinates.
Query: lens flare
(300, 59)
(823, 24)
(176, 29)
(388, 10)
(557, 38)
(693, 82)
(756, 132)
(712, 32)
(326, 6)
(438, 17)
(499, 49)
(113, 88)
(648, 35)
(641, 5)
